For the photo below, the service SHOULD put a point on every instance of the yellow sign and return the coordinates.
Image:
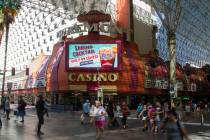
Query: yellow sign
(78, 87)
(109, 88)
(111, 77)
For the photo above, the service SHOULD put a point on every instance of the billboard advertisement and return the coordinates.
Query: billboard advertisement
(101, 56)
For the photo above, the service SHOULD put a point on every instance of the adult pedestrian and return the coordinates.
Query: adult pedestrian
(3, 100)
(174, 128)
(125, 113)
(86, 111)
(7, 108)
(139, 109)
(110, 112)
(151, 117)
(40, 110)
(92, 108)
(158, 117)
(21, 108)
(46, 104)
(100, 120)
(144, 116)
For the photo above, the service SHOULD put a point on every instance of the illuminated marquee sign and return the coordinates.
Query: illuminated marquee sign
(111, 77)
(105, 28)
(103, 56)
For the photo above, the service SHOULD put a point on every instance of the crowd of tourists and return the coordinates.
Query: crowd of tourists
(159, 117)
(156, 118)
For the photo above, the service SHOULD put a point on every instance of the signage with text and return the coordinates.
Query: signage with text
(105, 28)
(111, 77)
(93, 56)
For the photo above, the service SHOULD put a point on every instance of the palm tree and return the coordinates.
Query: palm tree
(9, 9)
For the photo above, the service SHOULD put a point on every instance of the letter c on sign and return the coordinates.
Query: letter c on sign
(71, 77)
(112, 77)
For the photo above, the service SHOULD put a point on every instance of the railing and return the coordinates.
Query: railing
(198, 117)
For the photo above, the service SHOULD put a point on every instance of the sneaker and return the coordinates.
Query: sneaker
(22, 121)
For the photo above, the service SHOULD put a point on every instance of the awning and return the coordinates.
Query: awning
(29, 91)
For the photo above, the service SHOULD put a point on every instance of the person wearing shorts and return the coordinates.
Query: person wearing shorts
(100, 121)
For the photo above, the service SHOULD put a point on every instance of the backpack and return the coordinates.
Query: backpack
(139, 108)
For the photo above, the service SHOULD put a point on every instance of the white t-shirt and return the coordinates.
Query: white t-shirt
(98, 113)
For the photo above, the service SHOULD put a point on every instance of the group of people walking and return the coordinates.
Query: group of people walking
(20, 111)
(160, 118)
(157, 118)
(97, 114)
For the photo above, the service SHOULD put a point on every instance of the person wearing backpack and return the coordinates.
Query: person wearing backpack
(125, 112)
(175, 130)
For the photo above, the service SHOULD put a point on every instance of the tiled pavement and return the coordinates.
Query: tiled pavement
(66, 126)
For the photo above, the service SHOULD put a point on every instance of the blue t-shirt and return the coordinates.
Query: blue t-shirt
(139, 108)
(86, 107)
(173, 131)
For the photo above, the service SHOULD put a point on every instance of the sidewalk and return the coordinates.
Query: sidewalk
(66, 126)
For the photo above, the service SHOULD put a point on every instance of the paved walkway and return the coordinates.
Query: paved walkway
(66, 126)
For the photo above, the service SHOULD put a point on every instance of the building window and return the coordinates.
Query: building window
(44, 41)
(48, 49)
(51, 19)
(58, 35)
(63, 22)
(55, 26)
(51, 38)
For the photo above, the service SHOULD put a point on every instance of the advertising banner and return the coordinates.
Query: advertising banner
(93, 56)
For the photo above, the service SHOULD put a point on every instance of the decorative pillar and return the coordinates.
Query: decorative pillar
(172, 68)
